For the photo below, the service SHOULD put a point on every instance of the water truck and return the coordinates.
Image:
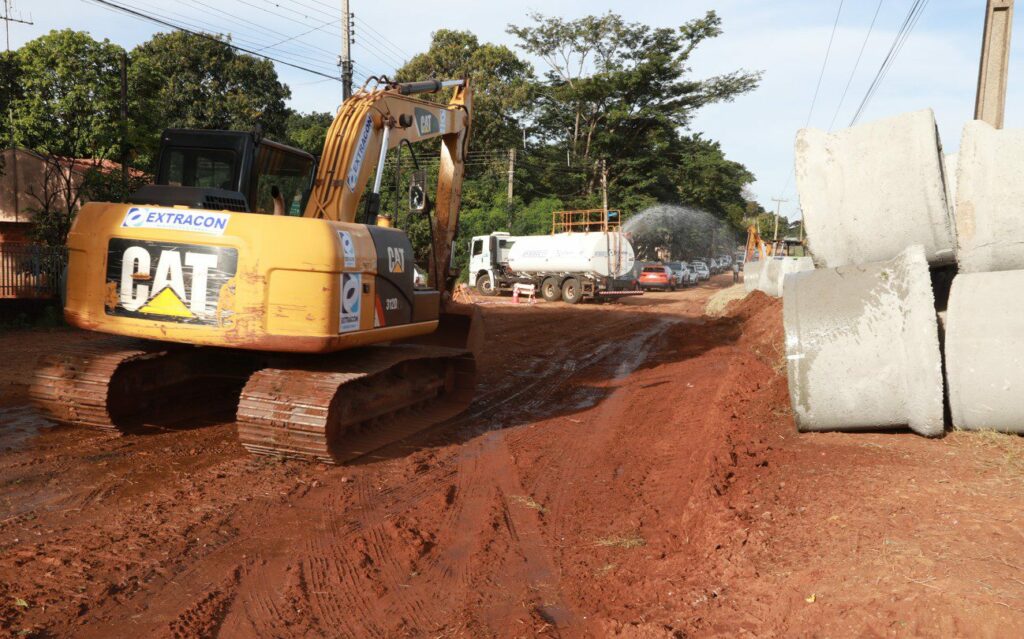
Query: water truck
(570, 267)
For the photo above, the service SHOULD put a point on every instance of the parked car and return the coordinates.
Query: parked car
(685, 276)
(657, 277)
(714, 266)
(628, 282)
(701, 269)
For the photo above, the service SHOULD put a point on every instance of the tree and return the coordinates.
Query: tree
(709, 181)
(10, 91)
(192, 81)
(56, 200)
(308, 131)
(620, 92)
(68, 99)
(502, 83)
(63, 93)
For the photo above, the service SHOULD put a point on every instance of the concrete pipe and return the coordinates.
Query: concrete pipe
(990, 199)
(862, 347)
(985, 351)
(870, 191)
(778, 268)
(752, 275)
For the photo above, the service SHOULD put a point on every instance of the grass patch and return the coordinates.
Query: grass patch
(631, 540)
(1004, 451)
(529, 502)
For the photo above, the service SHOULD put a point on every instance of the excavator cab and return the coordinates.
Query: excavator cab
(229, 170)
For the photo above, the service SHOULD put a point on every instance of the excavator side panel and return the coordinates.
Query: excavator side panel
(240, 280)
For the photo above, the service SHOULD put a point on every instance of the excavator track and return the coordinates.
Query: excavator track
(337, 408)
(118, 385)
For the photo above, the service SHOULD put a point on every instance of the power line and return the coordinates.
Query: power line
(167, 23)
(287, 38)
(187, 21)
(824, 63)
(856, 64)
(817, 88)
(394, 47)
(894, 50)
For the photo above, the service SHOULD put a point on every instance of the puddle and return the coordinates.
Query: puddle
(19, 425)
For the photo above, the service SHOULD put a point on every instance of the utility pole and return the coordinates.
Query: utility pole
(345, 59)
(990, 102)
(778, 205)
(7, 23)
(511, 171)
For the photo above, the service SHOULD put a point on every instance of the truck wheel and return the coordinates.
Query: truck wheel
(485, 285)
(550, 290)
(571, 292)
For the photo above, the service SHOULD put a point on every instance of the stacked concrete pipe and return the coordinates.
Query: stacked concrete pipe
(752, 275)
(769, 276)
(870, 191)
(985, 315)
(862, 347)
(990, 199)
(985, 351)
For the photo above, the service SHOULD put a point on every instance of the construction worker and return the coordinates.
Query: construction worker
(735, 271)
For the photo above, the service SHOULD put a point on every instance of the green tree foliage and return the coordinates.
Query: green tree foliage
(620, 92)
(191, 81)
(502, 83)
(10, 91)
(615, 95)
(709, 181)
(68, 99)
(308, 131)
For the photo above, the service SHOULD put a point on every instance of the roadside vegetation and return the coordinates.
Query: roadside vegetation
(608, 100)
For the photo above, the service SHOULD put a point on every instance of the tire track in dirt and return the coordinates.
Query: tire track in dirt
(473, 498)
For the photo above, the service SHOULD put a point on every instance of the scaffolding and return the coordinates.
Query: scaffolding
(586, 221)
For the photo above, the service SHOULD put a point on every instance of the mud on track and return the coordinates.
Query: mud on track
(626, 469)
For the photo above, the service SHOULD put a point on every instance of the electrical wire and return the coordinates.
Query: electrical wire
(213, 29)
(824, 64)
(394, 47)
(916, 9)
(167, 23)
(235, 18)
(855, 64)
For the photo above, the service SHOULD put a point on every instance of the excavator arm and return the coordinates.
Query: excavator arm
(374, 121)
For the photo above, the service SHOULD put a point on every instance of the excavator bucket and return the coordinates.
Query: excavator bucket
(460, 326)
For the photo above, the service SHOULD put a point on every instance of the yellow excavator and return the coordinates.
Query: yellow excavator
(247, 276)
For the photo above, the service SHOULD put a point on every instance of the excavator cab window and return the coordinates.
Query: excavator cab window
(210, 168)
(281, 178)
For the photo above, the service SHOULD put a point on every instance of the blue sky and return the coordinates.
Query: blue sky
(787, 39)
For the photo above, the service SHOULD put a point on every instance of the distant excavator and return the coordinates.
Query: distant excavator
(243, 276)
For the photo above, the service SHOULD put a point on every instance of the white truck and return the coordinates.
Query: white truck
(562, 266)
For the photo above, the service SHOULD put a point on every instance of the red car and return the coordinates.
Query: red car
(657, 277)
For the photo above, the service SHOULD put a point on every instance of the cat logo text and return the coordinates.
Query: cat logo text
(396, 259)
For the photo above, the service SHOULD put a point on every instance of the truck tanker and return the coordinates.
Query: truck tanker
(571, 267)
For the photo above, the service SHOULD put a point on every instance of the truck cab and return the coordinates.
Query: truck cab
(488, 256)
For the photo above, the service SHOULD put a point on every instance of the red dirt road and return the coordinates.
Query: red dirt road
(626, 470)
